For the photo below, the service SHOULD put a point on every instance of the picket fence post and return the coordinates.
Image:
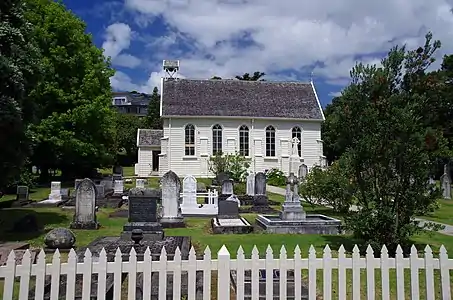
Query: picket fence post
(223, 274)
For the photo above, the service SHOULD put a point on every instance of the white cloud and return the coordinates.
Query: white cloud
(294, 35)
(335, 94)
(117, 39)
(122, 82)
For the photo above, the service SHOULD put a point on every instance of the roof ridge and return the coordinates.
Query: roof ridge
(244, 81)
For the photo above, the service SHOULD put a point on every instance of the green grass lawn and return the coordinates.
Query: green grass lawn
(444, 214)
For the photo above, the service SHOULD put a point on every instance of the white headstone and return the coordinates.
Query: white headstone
(55, 191)
(251, 184)
(294, 159)
(303, 171)
(85, 210)
(171, 188)
(118, 187)
(189, 190)
(140, 183)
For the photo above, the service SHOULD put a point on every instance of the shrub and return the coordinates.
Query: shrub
(275, 177)
(235, 165)
(330, 186)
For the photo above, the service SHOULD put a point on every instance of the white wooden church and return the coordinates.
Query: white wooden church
(258, 119)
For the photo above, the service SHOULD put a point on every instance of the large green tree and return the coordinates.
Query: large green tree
(389, 147)
(75, 131)
(18, 71)
(153, 120)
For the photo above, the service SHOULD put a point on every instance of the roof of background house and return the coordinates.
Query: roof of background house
(133, 98)
(265, 99)
(149, 137)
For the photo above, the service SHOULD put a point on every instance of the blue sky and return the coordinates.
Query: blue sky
(286, 39)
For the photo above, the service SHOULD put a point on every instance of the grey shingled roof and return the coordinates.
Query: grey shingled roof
(134, 98)
(188, 97)
(149, 137)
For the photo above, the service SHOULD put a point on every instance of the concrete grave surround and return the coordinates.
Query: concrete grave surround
(85, 208)
(251, 184)
(171, 189)
(228, 219)
(293, 219)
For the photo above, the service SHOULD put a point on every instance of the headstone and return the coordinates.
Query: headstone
(189, 190)
(303, 171)
(55, 191)
(445, 182)
(118, 170)
(76, 182)
(227, 187)
(140, 183)
(251, 184)
(22, 193)
(294, 159)
(100, 191)
(260, 198)
(34, 170)
(143, 214)
(171, 212)
(107, 183)
(85, 208)
(228, 209)
(64, 194)
(118, 187)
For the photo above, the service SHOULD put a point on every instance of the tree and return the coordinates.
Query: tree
(126, 138)
(255, 77)
(19, 69)
(216, 78)
(153, 120)
(75, 129)
(389, 148)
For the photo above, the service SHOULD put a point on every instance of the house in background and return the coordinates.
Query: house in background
(131, 103)
(258, 119)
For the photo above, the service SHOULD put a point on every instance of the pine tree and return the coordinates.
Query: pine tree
(153, 120)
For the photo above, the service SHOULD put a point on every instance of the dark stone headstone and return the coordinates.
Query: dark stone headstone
(22, 195)
(260, 198)
(117, 170)
(228, 209)
(143, 213)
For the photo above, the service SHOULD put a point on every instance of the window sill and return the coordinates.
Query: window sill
(271, 158)
(189, 157)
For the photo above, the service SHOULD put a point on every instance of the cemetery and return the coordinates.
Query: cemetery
(162, 219)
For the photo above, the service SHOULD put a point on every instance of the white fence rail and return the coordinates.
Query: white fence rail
(224, 264)
(211, 195)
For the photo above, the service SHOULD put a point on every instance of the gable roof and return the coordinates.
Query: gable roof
(255, 99)
(149, 137)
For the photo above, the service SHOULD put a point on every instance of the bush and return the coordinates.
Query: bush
(234, 165)
(330, 186)
(240, 188)
(275, 177)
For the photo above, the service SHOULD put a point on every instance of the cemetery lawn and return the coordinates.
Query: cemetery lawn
(199, 230)
(444, 214)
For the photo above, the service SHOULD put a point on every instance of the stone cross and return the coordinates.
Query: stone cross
(292, 190)
(55, 191)
(294, 159)
(251, 184)
(171, 188)
(85, 208)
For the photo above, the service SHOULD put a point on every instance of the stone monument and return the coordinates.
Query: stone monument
(260, 198)
(85, 206)
(227, 189)
(143, 214)
(294, 220)
(251, 184)
(118, 187)
(294, 158)
(445, 182)
(303, 172)
(55, 191)
(171, 212)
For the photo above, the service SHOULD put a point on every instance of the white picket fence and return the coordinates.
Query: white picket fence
(224, 264)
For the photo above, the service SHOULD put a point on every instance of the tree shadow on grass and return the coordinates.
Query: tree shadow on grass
(348, 242)
(45, 219)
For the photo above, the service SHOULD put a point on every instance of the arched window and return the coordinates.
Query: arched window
(244, 140)
(189, 136)
(216, 139)
(297, 133)
(270, 141)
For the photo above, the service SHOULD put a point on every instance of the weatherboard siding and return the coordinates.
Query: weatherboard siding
(197, 165)
(145, 159)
